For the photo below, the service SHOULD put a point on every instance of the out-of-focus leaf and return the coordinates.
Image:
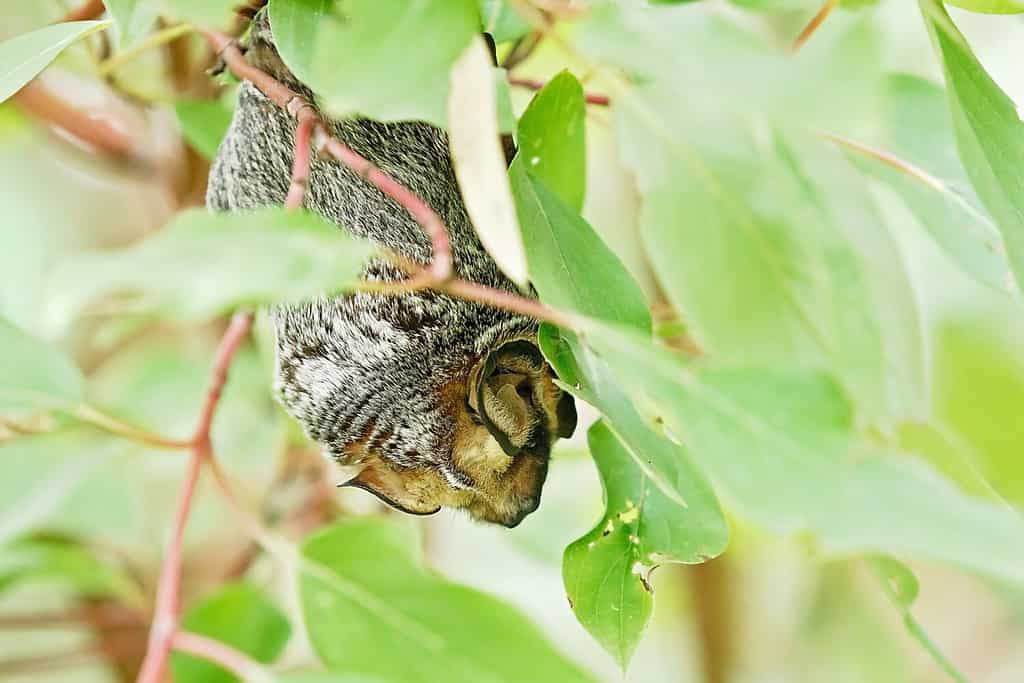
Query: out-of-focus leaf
(204, 264)
(606, 571)
(385, 59)
(240, 616)
(365, 596)
(502, 21)
(966, 234)
(551, 139)
(990, 6)
(204, 124)
(134, 18)
(33, 376)
(900, 585)
(569, 264)
(63, 563)
(479, 160)
(781, 448)
(979, 391)
(206, 13)
(24, 56)
(42, 473)
(989, 131)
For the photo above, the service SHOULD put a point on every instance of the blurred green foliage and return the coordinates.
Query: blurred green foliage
(837, 234)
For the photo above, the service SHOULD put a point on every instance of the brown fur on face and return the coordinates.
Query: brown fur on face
(508, 412)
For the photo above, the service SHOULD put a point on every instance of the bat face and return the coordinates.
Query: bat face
(506, 412)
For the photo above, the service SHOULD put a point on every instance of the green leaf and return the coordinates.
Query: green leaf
(207, 13)
(551, 139)
(990, 6)
(240, 616)
(134, 18)
(900, 586)
(372, 609)
(24, 56)
(35, 377)
(204, 264)
(966, 234)
(65, 563)
(502, 21)
(989, 131)
(979, 389)
(606, 571)
(569, 264)
(345, 51)
(781, 447)
(204, 124)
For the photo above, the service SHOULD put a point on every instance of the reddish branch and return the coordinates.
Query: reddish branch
(168, 598)
(90, 9)
(439, 274)
(37, 100)
(245, 668)
(531, 84)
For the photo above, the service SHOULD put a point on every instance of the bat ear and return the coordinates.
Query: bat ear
(565, 414)
(392, 486)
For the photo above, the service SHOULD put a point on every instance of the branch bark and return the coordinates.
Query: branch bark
(168, 599)
(439, 274)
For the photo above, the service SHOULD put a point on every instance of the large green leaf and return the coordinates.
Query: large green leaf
(606, 572)
(990, 6)
(384, 59)
(204, 124)
(780, 444)
(34, 376)
(24, 56)
(989, 131)
(203, 264)
(372, 609)
(206, 13)
(551, 139)
(569, 265)
(240, 616)
(134, 18)
(61, 562)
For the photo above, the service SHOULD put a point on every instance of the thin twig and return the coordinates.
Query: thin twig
(531, 84)
(302, 164)
(94, 417)
(90, 9)
(168, 598)
(816, 21)
(238, 663)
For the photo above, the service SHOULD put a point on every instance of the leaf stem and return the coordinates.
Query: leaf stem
(532, 84)
(155, 40)
(110, 424)
(816, 21)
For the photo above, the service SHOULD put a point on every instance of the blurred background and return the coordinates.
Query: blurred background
(768, 611)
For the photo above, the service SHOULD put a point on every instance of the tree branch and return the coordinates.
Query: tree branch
(439, 274)
(38, 101)
(238, 663)
(531, 84)
(168, 598)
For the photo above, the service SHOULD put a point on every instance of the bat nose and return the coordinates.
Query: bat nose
(527, 506)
